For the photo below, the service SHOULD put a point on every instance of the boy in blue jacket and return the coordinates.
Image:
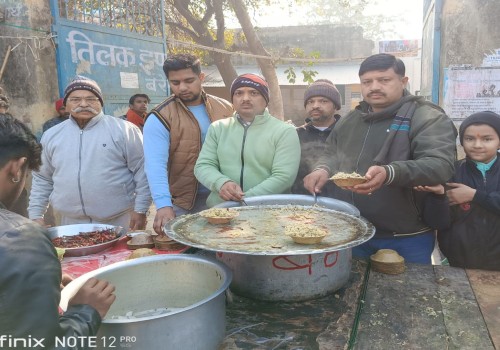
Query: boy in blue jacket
(467, 212)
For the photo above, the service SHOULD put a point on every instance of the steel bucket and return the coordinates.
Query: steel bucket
(290, 277)
(192, 286)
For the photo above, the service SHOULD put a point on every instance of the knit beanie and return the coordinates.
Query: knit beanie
(487, 117)
(324, 88)
(253, 81)
(59, 104)
(80, 82)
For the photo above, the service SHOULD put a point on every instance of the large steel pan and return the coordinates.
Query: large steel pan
(259, 230)
(291, 272)
(191, 287)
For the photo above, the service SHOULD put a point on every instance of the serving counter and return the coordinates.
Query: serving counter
(426, 307)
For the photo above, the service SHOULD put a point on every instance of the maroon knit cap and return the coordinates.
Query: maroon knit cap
(80, 82)
(323, 88)
(251, 80)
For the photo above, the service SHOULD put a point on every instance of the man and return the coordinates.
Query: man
(63, 115)
(138, 107)
(93, 165)
(321, 101)
(31, 273)
(397, 141)
(250, 154)
(173, 135)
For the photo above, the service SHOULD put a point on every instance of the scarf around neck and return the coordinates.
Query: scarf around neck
(397, 143)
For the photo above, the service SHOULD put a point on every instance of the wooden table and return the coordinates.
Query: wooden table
(426, 307)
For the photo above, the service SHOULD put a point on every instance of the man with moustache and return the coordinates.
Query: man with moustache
(92, 165)
(397, 141)
(173, 134)
(321, 101)
(250, 154)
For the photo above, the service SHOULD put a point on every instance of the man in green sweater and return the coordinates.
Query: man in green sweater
(250, 154)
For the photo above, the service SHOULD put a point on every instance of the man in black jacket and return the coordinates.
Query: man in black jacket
(397, 141)
(322, 102)
(31, 273)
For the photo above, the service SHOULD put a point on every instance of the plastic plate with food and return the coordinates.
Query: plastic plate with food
(219, 215)
(348, 179)
(305, 233)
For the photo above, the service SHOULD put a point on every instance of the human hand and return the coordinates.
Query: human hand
(163, 215)
(137, 221)
(376, 176)
(314, 181)
(41, 222)
(231, 191)
(436, 189)
(459, 193)
(65, 279)
(96, 293)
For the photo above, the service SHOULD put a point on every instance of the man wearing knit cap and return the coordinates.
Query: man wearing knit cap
(396, 141)
(173, 134)
(322, 102)
(93, 165)
(62, 116)
(250, 154)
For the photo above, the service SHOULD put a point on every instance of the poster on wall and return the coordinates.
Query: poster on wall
(399, 48)
(468, 90)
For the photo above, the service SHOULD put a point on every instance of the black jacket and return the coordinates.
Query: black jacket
(473, 239)
(29, 286)
(312, 145)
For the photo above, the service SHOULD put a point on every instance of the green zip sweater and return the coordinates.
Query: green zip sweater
(263, 158)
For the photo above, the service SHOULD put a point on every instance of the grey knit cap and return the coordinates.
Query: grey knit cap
(80, 82)
(324, 88)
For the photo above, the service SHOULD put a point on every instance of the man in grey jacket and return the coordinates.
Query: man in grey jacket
(93, 165)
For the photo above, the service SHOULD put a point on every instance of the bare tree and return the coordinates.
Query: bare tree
(266, 65)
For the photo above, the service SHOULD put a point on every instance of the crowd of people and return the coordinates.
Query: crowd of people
(195, 150)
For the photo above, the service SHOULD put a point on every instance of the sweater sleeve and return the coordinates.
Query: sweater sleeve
(284, 168)
(489, 201)
(135, 162)
(30, 292)
(433, 148)
(156, 153)
(42, 185)
(207, 168)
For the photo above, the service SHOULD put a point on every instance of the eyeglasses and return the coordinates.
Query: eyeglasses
(78, 100)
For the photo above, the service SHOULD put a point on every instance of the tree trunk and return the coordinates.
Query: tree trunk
(223, 62)
(266, 65)
(204, 37)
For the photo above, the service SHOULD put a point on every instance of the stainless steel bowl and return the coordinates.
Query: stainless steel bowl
(73, 230)
(193, 287)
